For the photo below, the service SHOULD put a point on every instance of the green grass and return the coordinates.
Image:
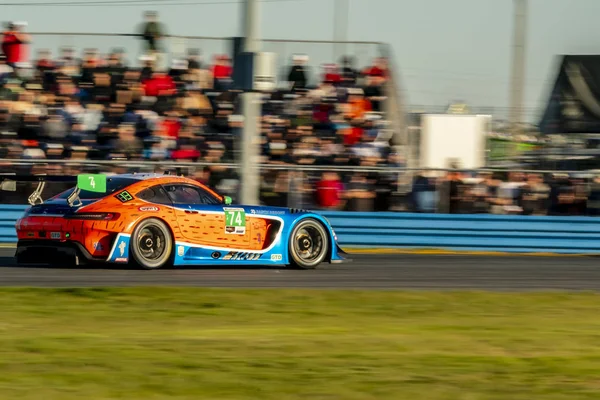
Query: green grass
(293, 344)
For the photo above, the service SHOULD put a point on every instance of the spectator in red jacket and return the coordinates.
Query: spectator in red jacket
(332, 75)
(378, 69)
(15, 44)
(330, 191)
(171, 125)
(222, 71)
(222, 68)
(159, 85)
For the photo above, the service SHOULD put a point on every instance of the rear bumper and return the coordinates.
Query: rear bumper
(52, 252)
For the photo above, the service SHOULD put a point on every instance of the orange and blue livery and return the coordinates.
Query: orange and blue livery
(154, 221)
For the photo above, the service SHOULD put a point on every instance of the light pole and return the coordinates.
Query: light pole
(518, 64)
(341, 12)
(251, 107)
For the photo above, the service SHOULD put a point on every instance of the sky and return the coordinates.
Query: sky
(443, 50)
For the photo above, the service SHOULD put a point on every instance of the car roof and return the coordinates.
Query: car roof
(141, 176)
(162, 179)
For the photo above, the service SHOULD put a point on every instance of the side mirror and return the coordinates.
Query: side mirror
(227, 200)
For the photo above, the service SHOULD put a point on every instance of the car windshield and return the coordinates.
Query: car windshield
(112, 185)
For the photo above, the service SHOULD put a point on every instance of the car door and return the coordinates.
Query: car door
(204, 220)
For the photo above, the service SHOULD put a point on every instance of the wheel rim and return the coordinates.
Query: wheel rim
(151, 243)
(309, 244)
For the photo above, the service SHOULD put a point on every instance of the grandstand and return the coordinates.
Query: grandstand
(108, 109)
(329, 130)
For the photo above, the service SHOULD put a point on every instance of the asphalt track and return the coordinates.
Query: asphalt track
(366, 271)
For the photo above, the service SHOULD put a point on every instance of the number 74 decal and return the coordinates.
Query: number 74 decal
(235, 221)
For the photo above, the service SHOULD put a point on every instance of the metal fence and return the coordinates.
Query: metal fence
(175, 46)
(363, 188)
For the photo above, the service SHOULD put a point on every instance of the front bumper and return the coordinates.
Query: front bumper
(53, 252)
(339, 256)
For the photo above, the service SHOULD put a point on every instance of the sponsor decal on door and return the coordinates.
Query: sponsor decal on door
(235, 221)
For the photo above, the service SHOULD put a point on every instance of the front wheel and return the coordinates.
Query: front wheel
(309, 244)
(151, 244)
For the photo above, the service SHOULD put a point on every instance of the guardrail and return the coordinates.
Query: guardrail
(498, 233)
(159, 166)
(471, 232)
(9, 214)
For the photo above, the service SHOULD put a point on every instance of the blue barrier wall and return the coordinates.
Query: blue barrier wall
(481, 232)
(8, 216)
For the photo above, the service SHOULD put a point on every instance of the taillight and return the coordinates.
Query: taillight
(93, 216)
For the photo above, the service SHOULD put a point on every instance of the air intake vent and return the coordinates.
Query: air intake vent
(297, 210)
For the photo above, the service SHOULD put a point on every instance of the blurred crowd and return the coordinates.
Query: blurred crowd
(84, 105)
(507, 193)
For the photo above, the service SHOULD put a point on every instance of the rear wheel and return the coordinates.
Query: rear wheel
(151, 244)
(309, 244)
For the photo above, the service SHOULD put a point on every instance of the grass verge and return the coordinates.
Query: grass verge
(296, 344)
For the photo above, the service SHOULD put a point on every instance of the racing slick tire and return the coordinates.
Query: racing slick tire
(309, 244)
(151, 244)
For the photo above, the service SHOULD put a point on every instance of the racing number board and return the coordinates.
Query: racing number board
(92, 182)
(235, 221)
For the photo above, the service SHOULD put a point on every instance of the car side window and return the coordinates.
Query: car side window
(155, 194)
(188, 194)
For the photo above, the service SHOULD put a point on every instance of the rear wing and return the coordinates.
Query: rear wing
(89, 182)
